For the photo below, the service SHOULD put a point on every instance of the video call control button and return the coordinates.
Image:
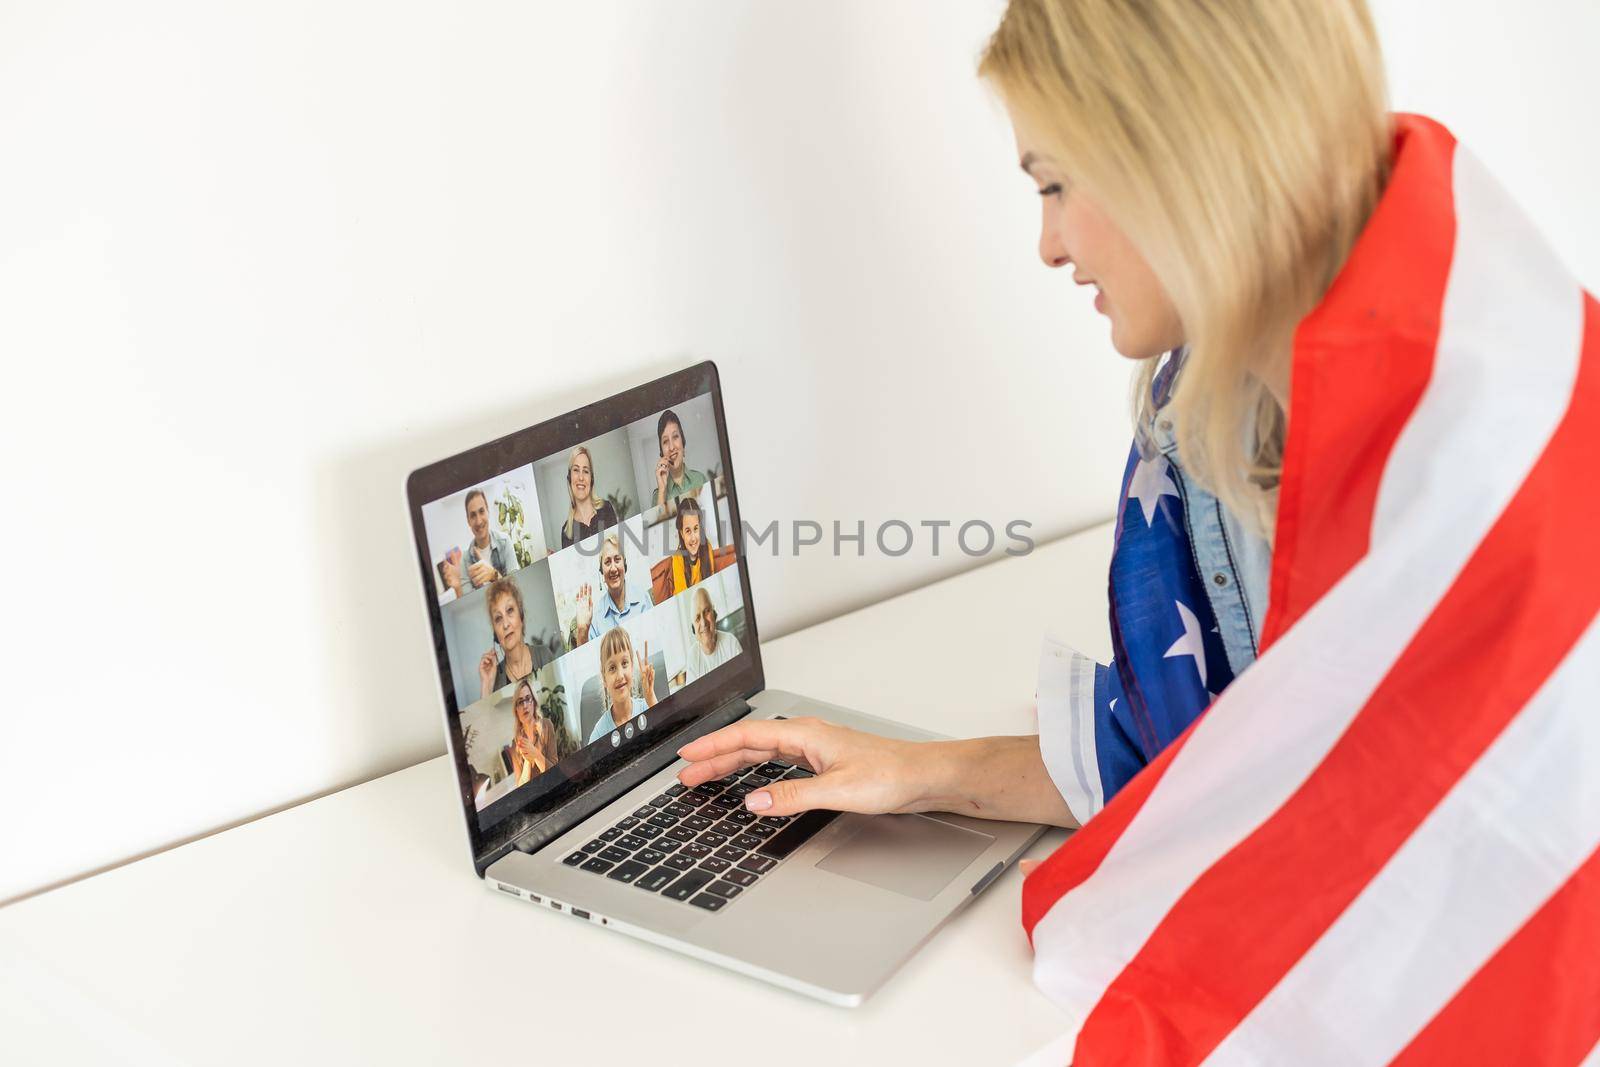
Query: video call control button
(575, 859)
(627, 731)
(688, 884)
(627, 872)
(616, 738)
(656, 879)
(722, 889)
(738, 877)
(597, 865)
(644, 722)
(708, 902)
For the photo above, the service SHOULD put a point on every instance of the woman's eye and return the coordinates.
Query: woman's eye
(1051, 190)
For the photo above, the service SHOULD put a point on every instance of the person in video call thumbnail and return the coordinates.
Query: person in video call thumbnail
(488, 557)
(540, 742)
(508, 619)
(587, 514)
(711, 647)
(617, 603)
(616, 682)
(692, 561)
(673, 479)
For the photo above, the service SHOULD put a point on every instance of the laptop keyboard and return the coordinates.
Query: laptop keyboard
(701, 845)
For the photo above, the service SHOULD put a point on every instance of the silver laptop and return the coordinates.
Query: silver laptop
(587, 588)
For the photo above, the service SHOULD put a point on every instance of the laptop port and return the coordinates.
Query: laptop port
(556, 905)
(536, 898)
(580, 913)
(513, 890)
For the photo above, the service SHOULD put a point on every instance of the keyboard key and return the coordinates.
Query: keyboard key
(695, 797)
(650, 856)
(757, 864)
(760, 830)
(681, 833)
(714, 864)
(721, 888)
(611, 834)
(627, 823)
(688, 884)
(575, 859)
(696, 850)
(776, 820)
(698, 823)
(614, 854)
(679, 863)
(663, 820)
(627, 872)
(746, 841)
(594, 846)
(796, 772)
(797, 833)
(728, 829)
(595, 864)
(660, 802)
(708, 902)
(630, 842)
(677, 810)
(665, 844)
(646, 831)
(741, 791)
(712, 838)
(656, 879)
(676, 789)
(772, 769)
(757, 780)
(738, 877)
(741, 815)
(731, 854)
(643, 813)
(717, 810)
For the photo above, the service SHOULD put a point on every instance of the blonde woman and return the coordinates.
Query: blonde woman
(587, 513)
(1365, 394)
(539, 742)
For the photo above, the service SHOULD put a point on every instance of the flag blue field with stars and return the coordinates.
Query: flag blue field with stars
(1168, 660)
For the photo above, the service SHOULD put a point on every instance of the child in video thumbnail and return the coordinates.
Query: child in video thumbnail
(540, 741)
(616, 682)
(508, 618)
(587, 514)
(711, 647)
(692, 561)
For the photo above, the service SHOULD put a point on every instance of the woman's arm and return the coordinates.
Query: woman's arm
(987, 777)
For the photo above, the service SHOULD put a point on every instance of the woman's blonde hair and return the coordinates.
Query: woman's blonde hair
(1241, 145)
(572, 505)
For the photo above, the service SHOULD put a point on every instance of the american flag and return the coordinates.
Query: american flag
(1382, 842)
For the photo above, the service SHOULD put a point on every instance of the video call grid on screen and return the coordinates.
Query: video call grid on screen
(556, 615)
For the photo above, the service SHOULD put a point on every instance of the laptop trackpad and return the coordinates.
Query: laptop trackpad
(906, 854)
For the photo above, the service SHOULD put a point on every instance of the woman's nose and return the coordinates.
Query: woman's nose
(1051, 251)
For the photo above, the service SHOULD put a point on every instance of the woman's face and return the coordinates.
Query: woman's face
(1072, 230)
(507, 622)
(527, 709)
(705, 629)
(581, 477)
(618, 672)
(689, 534)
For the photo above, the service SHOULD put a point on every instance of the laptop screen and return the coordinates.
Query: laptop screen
(587, 588)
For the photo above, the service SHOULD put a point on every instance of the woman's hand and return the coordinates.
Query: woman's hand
(486, 667)
(855, 771)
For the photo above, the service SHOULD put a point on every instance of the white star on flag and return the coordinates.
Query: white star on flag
(1151, 482)
(1190, 644)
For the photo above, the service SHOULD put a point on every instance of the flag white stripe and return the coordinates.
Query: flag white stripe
(1453, 893)
(1487, 414)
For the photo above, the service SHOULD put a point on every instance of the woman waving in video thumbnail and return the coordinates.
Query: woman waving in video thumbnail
(509, 620)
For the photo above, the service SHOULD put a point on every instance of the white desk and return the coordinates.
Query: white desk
(351, 929)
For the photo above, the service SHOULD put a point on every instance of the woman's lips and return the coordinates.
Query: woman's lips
(1100, 301)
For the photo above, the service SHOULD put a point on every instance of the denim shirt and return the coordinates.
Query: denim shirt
(1233, 565)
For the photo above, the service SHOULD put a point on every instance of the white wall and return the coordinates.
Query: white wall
(258, 261)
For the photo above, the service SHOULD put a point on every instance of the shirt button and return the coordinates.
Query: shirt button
(1166, 425)
(1220, 578)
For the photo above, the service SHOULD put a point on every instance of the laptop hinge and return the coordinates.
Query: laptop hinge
(560, 820)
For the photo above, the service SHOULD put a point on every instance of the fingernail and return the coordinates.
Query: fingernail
(758, 801)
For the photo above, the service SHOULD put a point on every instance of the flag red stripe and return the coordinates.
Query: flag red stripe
(1328, 489)
(1479, 658)
(1537, 1000)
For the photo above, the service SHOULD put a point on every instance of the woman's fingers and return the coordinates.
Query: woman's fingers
(727, 763)
(788, 736)
(791, 796)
